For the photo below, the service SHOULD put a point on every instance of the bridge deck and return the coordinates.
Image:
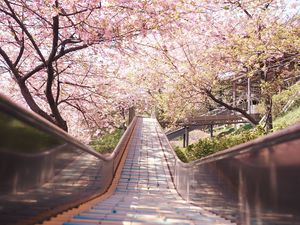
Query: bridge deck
(145, 193)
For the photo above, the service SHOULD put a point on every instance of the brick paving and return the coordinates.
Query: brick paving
(145, 193)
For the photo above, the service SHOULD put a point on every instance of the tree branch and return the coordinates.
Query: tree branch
(10, 64)
(22, 26)
(58, 56)
(220, 102)
(55, 30)
(20, 52)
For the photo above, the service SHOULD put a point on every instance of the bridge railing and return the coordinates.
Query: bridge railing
(43, 170)
(254, 183)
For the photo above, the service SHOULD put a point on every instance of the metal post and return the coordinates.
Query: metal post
(211, 130)
(184, 140)
(186, 136)
(249, 95)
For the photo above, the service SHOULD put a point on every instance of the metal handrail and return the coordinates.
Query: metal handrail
(41, 123)
(281, 136)
(64, 166)
(287, 134)
(254, 181)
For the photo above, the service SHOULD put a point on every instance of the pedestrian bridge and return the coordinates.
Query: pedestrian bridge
(49, 178)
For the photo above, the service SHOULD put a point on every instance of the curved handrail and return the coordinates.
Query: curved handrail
(255, 181)
(284, 135)
(281, 136)
(56, 176)
(41, 123)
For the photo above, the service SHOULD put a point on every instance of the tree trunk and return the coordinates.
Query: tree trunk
(31, 102)
(58, 120)
(35, 108)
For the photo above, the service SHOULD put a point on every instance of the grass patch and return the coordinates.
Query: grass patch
(281, 99)
(107, 142)
(287, 119)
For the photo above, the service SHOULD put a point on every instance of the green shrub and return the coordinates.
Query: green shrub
(225, 132)
(243, 128)
(181, 155)
(107, 142)
(209, 146)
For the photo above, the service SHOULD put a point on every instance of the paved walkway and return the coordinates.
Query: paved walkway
(145, 193)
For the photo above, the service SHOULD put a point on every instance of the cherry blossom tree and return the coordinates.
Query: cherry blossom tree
(46, 47)
(256, 39)
(89, 61)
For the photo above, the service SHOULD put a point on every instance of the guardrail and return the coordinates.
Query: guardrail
(44, 171)
(254, 183)
(216, 120)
